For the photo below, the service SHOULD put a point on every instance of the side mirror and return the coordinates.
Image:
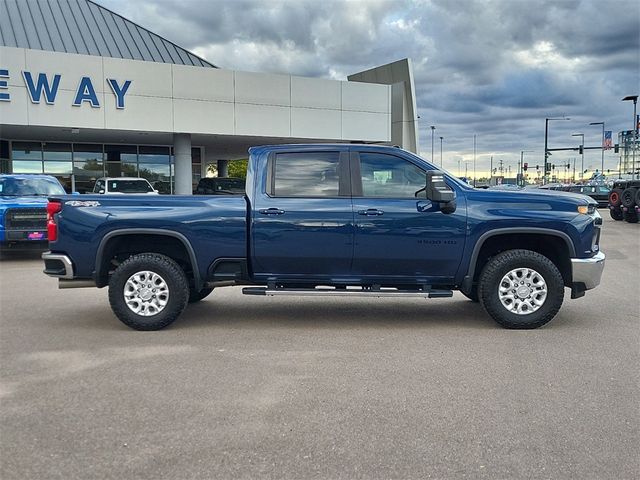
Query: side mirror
(100, 192)
(438, 191)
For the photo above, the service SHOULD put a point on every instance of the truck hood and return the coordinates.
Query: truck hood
(30, 201)
(534, 199)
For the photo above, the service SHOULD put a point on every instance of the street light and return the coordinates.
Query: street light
(602, 145)
(546, 149)
(433, 129)
(521, 169)
(582, 149)
(634, 99)
(441, 151)
(474, 159)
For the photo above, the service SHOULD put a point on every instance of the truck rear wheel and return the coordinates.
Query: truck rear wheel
(631, 216)
(521, 289)
(148, 291)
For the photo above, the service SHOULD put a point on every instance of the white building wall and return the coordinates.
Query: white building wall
(182, 99)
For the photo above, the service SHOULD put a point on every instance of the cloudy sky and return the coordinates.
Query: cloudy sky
(493, 68)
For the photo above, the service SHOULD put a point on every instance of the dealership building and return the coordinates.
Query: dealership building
(86, 93)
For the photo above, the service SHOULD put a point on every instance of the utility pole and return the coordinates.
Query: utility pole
(546, 146)
(490, 169)
(441, 151)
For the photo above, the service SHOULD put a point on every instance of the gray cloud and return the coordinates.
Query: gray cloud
(495, 68)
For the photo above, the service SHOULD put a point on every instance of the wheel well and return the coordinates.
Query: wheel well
(552, 247)
(119, 248)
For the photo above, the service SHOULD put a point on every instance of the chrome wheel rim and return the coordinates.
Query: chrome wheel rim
(146, 293)
(522, 291)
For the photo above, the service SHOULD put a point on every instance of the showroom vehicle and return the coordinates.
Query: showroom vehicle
(331, 220)
(624, 200)
(23, 209)
(123, 185)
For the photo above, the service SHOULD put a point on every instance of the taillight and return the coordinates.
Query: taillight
(53, 207)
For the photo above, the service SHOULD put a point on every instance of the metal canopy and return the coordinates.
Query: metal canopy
(84, 27)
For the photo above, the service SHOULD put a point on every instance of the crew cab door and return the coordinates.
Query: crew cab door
(302, 220)
(400, 235)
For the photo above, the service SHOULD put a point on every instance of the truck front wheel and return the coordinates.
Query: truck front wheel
(148, 291)
(521, 289)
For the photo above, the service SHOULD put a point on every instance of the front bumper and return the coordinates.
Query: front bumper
(586, 272)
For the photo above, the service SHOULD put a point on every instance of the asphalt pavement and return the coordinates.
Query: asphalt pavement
(296, 388)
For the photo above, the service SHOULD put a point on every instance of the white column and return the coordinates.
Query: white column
(183, 169)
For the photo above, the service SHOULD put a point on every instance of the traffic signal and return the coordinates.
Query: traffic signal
(525, 166)
(581, 149)
(568, 166)
(537, 167)
(616, 148)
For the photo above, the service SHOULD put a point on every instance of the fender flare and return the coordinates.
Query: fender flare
(149, 231)
(467, 282)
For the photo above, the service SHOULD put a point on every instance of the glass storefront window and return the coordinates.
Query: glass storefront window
(26, 151)
(57, 167)
(87, 151)
(148, 154)
(56, 151)
(26, 166)
(129, 169)
(121, 153)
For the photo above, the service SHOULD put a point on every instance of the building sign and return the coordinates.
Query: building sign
(41, 86)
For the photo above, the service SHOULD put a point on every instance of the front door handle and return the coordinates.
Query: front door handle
(271, 211)
(370, 212)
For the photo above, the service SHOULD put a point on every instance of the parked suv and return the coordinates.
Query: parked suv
(123, 185)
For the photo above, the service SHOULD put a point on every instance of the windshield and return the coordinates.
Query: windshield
(130, 186)
(24, 187)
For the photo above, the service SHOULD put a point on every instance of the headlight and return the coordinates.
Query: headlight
(587, 209)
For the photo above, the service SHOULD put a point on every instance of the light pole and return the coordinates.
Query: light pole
(433, 129)
(581, 152)
(633, 98)
(441, 151)
(474, 159)
(546, 148)
(602, 144)
(521, 169)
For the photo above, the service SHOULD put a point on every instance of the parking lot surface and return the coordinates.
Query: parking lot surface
(285, 387)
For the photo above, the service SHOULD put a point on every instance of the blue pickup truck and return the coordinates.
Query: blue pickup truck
(23, 214)
(334, 220)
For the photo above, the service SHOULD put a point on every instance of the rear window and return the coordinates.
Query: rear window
(130, 186)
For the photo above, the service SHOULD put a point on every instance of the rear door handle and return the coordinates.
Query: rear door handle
(370, 212)
(271, 211)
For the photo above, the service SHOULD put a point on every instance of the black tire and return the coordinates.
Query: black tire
(638, 197)
(631, 216)
(628, 197)
(197, 295)
(614, 197)
(616, 213)
(499, 266)
(173, 286)
(473, 294)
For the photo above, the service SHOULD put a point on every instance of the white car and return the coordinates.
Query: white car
(123, 186)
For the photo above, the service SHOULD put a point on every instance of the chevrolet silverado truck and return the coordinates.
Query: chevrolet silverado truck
(23, 209)
(331, 220)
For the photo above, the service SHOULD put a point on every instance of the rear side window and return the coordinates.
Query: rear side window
(306, 174)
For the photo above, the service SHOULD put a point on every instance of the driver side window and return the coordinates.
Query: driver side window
(389, 176)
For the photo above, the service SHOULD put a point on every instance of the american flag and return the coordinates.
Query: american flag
(607, 140)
